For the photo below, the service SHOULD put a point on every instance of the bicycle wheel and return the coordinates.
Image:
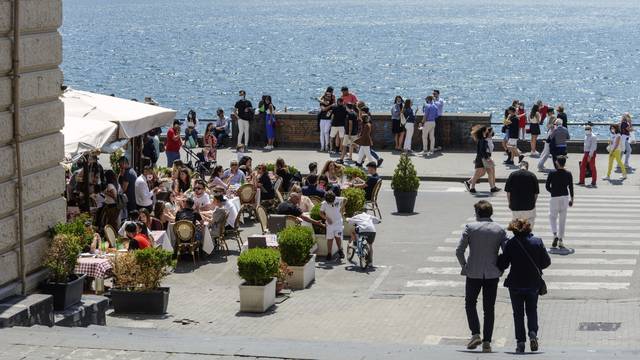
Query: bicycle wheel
(364, 257)
(350, 252)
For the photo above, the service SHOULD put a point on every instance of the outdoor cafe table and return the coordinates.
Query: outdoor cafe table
(98, 268)
(161, 240)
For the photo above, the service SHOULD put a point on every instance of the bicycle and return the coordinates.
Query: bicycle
(362, 248)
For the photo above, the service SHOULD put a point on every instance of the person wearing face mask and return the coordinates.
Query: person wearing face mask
(396, 126)
(589, 157)
(144, 196)
(546, 151)
(244, 114)
(615, 152)
(625, 133)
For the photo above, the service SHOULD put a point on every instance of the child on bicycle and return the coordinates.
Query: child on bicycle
(364, 224)
(330, 211)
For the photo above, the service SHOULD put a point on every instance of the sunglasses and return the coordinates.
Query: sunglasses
(199, 188)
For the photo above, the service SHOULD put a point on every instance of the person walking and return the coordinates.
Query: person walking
(558, 141)
(522, 193)
(625, 133)
(327, 101)
(338, 119)
(615, 152)
(410, 119)
(430, 111)
(397, 128)
(173, 143)
(483, 161)
(527, 257)
(534, 128)
(589, 157)
(560, 186)
(546, 151)
(364, 141)
(562, 116)
(244, 113)
(269, 121)
(350, 133)
(483, 238)
(522, 120)
(513, 127)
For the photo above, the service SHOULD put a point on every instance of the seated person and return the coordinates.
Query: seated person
(183, 183)
(290, 207)
(267, 192)
(305, 203)
(282, 170)
(201, 199)
(311, 189)
(188, 213)
(217, 215)
(365, 224)
(100, 244)
(216, 178)
(136, 240)
(233, 176)
(245, 164)
(372, 180)
(150, 222)
(313, 168)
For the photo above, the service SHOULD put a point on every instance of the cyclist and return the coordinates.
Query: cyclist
(365, 225)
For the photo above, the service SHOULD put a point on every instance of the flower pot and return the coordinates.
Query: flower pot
(302, 276)
(140, 302)
(257, 299)
(321, 245)
(405, 201)
(65, 294)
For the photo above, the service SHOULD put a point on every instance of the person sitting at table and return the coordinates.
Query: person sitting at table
(201, 200)
(313, 168)
(216, 178)
(290, 207)
(372, 180)
(245, 164)
(332, 171)
(305, 203)
(282, 170)
(233, 175)
(263, 181)
(189, 214)
(183, 183)
(163, 214)
(150, 222)
(311, 189)
(136, 240)
(175, 169)
(217, 215)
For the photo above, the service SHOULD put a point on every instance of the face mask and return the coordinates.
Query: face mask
(398, 102)
(613, 132)
(241, 97)
(149, 177)
(588, 132)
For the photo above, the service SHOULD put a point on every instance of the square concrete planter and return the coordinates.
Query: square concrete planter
(257, 299)
(302, 276)
(321, 245)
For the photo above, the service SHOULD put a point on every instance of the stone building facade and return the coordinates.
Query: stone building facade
(42, 144)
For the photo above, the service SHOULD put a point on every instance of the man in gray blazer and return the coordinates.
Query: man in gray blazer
(483, 238)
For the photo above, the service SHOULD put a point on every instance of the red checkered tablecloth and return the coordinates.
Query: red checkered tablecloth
(98, 268)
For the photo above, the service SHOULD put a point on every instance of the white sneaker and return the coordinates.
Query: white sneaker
(605, 178)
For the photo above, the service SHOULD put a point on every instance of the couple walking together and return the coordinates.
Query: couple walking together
(524, 253)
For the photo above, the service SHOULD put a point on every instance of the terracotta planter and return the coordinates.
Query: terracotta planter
(257, 299)
(302, 276)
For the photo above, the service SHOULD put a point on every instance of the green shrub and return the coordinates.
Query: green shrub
(74, 228)
(272, 167)
(405, 178)
(354, 172)
(113, 159)
(258, 266)
(141, 270)
(295, 243)
(163, 172)
(315, 212)
(355, 199)
(62, 256)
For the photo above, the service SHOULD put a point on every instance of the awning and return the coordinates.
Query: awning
(132, 118)
(82, 135)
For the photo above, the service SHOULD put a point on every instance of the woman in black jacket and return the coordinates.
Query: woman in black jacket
(483, 162)
(527, 256)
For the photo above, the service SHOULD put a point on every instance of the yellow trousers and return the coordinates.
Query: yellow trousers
(617, 156)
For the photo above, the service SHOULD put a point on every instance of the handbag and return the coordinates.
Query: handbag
(403, 119)
(543, 285)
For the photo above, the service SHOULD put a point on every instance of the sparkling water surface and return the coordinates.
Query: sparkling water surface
(480, 54)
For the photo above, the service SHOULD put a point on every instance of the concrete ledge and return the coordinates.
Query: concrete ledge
(34, 309)
(90, 311)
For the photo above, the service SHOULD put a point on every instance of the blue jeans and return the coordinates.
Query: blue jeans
(171, 156)
(524, 301)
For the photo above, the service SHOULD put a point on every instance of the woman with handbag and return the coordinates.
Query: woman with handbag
(407, 119)
(527, 256)
(534, 128)
(483, 162)
(397, 128)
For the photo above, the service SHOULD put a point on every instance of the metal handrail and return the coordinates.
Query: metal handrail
(582, 123)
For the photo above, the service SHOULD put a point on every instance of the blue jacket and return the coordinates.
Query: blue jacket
(523, 274)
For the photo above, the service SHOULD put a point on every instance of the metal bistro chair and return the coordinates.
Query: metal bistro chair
(218, 238)
(372, 205)
(185, 233)
(315, 200)
(247, 195)
(234, 234)
(261, 214)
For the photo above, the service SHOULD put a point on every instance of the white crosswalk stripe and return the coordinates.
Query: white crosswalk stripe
(600, 228)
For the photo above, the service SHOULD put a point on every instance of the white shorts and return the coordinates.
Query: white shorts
(512, 142)
(334, 231)
(337, 130)
(348, 140)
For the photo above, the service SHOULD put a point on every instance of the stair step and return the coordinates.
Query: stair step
(34, 309)
(89, 311)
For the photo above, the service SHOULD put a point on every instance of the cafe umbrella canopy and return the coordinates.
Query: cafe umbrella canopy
(83, 135)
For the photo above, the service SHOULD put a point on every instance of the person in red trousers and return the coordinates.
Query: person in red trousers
(589, 157)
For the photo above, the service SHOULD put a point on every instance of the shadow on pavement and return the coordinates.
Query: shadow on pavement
(405, 214)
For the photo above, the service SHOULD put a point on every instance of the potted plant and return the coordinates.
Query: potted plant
(65, 286)
(75, 228)
(320, 233)
(137, 276)
(295, 243)
(355, 199)
(283, 275)
(405, 183)
(258, 267)
(354, 172)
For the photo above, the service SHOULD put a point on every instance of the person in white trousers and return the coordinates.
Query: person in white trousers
(546, 152)
(430, 111)
(244, 113)
(560, 185)
(626, 129)
(410, 118)
(326, 102)
(365, 141)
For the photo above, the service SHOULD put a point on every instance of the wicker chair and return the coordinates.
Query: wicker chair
(185, 234)
(110, 235)
(372, 205)
(233, 234)
(218, 237)
(261, 214)
(315, 199)
(247, 195)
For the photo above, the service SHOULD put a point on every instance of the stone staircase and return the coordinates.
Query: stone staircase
(37, 309)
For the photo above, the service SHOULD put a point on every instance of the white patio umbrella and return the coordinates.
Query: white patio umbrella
(133, 118)
(82, 135)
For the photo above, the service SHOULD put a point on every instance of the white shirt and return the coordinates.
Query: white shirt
(365, 222)
(144, 197)
(232, 211)
(440, 105)
(202, 201)
(332, 211)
